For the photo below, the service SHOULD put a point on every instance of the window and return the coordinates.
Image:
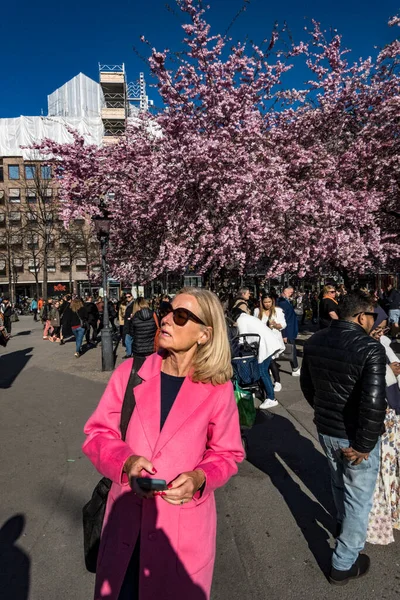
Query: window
(31, 216)
(30, 171)
(65, 263)
(16, 240)
(2, 266)
(15, 216)
(192, 281)
(31, 196)
(81, 264)
(33, 265)
(46, 171)
(1, 196)
(48, 192)
(13, 171)
(14, 195)
(18, 264)
(2, 219)
(51, 264)
(1, 173)
(3, 240)
(33, 240)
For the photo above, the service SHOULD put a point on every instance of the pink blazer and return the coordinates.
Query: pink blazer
(177, 543)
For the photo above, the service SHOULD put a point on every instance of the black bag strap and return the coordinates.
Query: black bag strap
(129, 398)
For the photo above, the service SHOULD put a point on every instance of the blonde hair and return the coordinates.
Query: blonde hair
(139, 304)
(328, 288)
(76, 304)
(212, 362)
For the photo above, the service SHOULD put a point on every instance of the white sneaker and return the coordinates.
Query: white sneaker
(268, 404)
(296, 373)
(277, 387)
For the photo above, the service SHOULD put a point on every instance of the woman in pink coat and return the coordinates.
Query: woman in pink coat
(184, 429)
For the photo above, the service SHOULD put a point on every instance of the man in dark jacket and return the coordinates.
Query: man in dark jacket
(92, 320)
(125, 330)
(343, 379)
(291, 330)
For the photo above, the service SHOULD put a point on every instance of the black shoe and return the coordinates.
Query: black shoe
(360, 568)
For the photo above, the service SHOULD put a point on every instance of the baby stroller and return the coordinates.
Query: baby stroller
(246, 379)
(246, 373)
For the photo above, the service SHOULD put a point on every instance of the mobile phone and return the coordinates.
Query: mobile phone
(152, 485)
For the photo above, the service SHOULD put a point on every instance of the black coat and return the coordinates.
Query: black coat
(343, 379)
(127, 318)
(92, 313)
(142, 328)
(75, 319)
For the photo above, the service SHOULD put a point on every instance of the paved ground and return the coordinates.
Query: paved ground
(274, 518)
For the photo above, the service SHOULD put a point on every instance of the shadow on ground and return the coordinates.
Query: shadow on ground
(277, 448)
(11, 366)
(27, 332)
(14, 562)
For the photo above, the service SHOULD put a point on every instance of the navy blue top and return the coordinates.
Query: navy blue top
(292, 325)
(170, 386)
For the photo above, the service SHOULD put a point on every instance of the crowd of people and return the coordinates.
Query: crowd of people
(350, 376)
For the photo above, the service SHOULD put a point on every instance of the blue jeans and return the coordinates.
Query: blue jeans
(353, 490)
(79, 334)
(128, 344)
(394, 315)
(266, 378)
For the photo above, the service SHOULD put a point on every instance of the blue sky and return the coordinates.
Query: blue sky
(45, 44)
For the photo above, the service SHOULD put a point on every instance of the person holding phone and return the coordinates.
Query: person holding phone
(184, 432)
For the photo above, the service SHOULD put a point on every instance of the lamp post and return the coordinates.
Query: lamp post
(102, 228)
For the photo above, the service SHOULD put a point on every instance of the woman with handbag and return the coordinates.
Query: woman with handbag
(185, 430)
(274, 318)
(75, 318)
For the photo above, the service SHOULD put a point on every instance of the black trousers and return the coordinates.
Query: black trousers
(35, 314)
(130, 586)
(273, 367)
(93, 328)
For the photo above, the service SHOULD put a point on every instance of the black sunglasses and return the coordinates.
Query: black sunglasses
(180, 315)
(370, 314)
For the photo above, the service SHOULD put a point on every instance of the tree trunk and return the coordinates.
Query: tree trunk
(70, 277)
(45, 278)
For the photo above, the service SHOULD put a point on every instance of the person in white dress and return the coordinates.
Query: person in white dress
(274, 318)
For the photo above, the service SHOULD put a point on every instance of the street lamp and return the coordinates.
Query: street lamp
(102, 227)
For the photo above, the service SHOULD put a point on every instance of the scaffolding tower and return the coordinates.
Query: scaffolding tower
(122, 100)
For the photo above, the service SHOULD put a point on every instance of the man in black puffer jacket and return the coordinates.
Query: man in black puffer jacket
(343, 379)
(142, 329)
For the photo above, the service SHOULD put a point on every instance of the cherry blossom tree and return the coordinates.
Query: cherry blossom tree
(247, 174)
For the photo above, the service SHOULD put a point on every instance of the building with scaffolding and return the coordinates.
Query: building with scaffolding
(100, 112)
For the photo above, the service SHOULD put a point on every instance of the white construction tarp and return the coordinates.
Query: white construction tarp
(25, 131)
(79, 97)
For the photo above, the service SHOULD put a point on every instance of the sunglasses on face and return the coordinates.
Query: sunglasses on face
(369, 314)
(180, 315)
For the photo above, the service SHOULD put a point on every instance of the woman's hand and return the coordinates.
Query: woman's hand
(275, 325)
(182, 489)
(395, 366)
(133, 467)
